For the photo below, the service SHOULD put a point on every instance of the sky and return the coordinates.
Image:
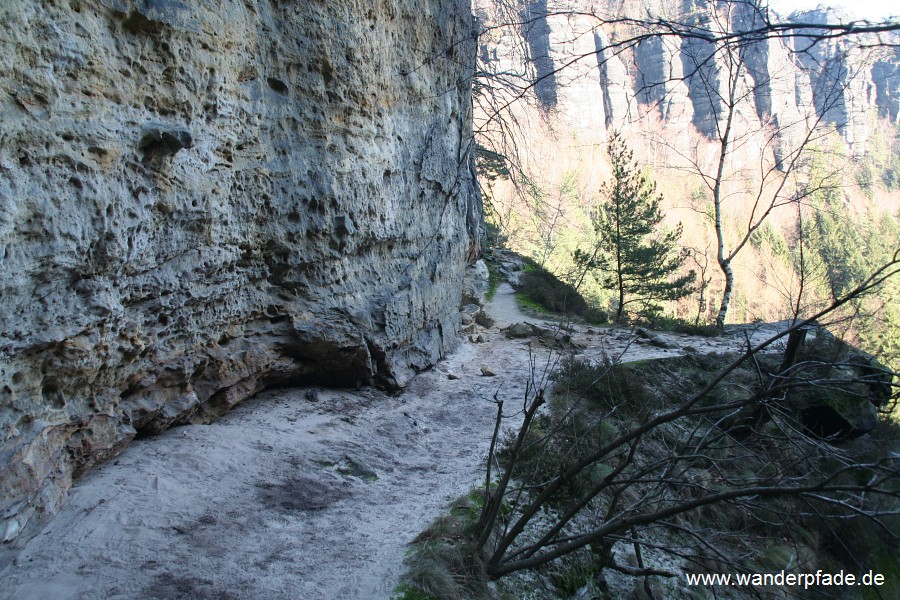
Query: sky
(859, 9)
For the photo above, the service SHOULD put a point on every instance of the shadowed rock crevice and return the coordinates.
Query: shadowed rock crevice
(536, 32)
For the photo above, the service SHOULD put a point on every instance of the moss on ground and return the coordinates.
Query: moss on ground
(541, 291)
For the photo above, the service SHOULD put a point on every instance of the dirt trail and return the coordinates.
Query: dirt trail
(298, 493)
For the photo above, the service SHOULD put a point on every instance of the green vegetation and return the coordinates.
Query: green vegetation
(769, 240)
(494, 278)
(541, 291)
(527, 304)
(840, 249)
(405, 591)
(544, 289)
(665, 323)
(491, 165)
(614, 446)
(441, 563)
(883, 156)
(635, 256)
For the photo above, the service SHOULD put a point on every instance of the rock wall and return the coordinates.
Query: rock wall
(660, 78)
(536, 33)
(841, 76)
(615, 83)
(579, 107)
(792, 83)
(200, 200)
(886, 74)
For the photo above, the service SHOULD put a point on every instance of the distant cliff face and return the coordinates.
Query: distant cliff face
(841, 78)
(790, 79)
(198, 200)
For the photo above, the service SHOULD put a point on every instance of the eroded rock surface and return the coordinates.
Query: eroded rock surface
(199, 200)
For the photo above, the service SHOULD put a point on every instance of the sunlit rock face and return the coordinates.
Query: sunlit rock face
(886, 75)
(660, 78)
(199, 200)
(841, 76)
(786, 83)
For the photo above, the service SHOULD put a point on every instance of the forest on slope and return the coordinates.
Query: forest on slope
(793, 136)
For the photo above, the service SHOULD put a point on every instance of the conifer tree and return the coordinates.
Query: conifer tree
(637, 257)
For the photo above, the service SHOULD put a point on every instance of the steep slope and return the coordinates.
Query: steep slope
(199, 201)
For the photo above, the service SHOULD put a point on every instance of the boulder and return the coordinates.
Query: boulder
(846, 386)
(475, 283)
(524, 329)
(654, 339)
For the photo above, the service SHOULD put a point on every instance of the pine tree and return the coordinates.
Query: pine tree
(636, 256)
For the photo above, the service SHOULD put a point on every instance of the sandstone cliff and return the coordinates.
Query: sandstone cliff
(198, 201)
(792, 80)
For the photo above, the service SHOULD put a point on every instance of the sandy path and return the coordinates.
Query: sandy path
(295, 494)
(276, 499)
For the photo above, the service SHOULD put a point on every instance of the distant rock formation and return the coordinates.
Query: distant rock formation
(660, 78)
(536, 31)
(618, 91)
(792, 82)
(200, 200)
(886, 75)
(841, 76)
